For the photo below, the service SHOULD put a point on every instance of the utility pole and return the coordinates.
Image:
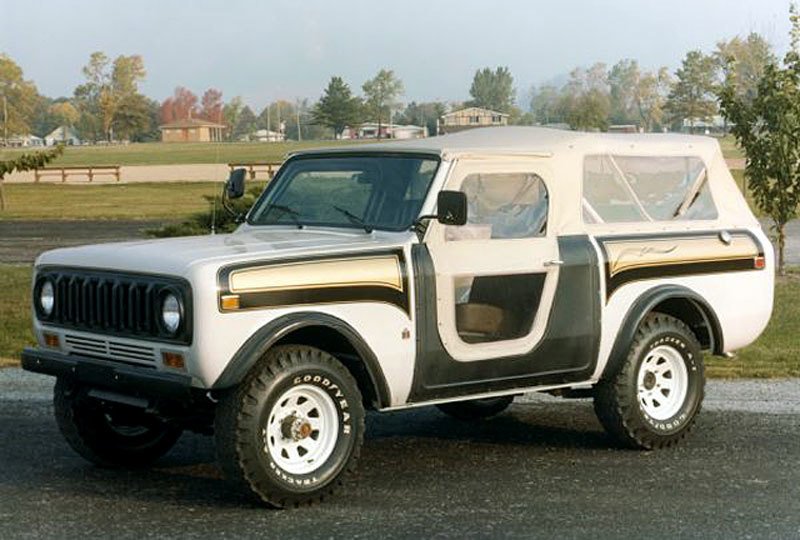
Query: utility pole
(5, 121)
(297, 115)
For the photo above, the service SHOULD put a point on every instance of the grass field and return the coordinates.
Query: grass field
(186, 153)
(729, 147)
(775, 354)
(177, 153)
(173, 201)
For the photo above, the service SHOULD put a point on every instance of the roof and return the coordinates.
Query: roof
(475, 109)
(539, 141)
(190, 123)
(62, 132)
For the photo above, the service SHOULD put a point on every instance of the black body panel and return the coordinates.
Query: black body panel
(130, 380)
(566, 353)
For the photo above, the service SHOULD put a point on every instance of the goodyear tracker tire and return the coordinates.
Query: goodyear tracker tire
(476, 409)
(110, 435)
(292, 431)
(652, 399)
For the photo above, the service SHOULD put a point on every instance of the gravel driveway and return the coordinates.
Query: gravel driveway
(543, 469)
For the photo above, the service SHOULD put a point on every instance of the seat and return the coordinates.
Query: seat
(479, 322)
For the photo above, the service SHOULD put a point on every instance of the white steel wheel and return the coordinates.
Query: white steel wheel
(662, 382)
(302, 429)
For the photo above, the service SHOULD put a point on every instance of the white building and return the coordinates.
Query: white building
(62, 135)
(25, 141)
(265, 135)
(369, 130)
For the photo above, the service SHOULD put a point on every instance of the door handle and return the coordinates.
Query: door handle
(554, 262)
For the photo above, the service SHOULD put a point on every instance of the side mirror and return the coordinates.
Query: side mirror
(234, 187)
(451, 208)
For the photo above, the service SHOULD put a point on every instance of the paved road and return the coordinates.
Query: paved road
(542, 469)
(22, 241)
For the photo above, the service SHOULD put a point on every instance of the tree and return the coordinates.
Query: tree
(544, 105)
(743, 61)
(337, 108)
(108, 86)
(493, 89)
(181, 106)
(623, 79)
(692, 97)
(211, 106)
(64, 113)
(246, 124)
(423, 114)
(650, 97)
(381, 93)
(137, 118)
(586, 101)
(18, 99)
(767, 126)
(26, 162)
(231, 112)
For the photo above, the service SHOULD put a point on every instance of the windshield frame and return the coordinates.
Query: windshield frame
(276, 180)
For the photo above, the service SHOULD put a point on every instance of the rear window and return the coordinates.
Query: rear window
(645, 188)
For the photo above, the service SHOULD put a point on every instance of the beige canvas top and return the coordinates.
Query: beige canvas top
(564, 152)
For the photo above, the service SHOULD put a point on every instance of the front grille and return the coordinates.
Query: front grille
(112, 303)
(109, 349)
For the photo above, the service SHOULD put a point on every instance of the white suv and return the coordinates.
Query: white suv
(456, 271)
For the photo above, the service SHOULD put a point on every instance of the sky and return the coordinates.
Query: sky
(271, 49)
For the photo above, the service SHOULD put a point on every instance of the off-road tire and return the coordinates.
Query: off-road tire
(242, 416)
(476, 409)
(88, 428)
(617, 402)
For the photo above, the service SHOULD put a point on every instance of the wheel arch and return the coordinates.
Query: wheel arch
(319, 330)
(674, 300)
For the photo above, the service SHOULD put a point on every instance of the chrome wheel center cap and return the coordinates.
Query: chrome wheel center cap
(649, 380)
(295, 428)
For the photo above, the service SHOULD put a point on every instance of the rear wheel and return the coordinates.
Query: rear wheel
(291, 432)
(110, 435)
(476, 409)
(653, 398)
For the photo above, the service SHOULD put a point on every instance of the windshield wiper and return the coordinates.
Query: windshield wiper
(353, 218)
(291, 212)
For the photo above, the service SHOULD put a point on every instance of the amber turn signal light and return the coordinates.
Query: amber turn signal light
(51, 340)
(173, 360)
(759, 263)
(230, 301)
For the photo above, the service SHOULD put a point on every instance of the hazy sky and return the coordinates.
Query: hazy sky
(263, 50)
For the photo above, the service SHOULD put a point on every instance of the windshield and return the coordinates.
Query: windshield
(383, 192)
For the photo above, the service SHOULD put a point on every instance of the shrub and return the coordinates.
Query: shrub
(200, 223)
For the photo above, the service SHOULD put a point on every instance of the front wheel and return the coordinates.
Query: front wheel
(110, 435)
(292, 431)
(653, 398)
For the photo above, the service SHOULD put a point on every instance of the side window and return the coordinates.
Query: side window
(507, 205)
(645, 188)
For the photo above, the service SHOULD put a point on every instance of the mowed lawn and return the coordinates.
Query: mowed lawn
(775, 354)
(178, 153)
(146, 200)
(188, 153)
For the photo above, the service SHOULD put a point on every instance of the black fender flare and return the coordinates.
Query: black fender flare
(272, 332)
(644, 305)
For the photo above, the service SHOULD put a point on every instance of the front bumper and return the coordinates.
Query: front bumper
(125, 379)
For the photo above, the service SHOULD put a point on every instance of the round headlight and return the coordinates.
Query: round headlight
(47, 298)
(171, 313)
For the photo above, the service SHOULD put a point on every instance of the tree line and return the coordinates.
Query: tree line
(109, 105)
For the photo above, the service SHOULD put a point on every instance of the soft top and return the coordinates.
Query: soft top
(539, 141)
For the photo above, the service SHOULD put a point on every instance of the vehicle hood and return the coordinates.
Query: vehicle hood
(178, 256)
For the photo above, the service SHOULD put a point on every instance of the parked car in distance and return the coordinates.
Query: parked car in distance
(457, 271)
